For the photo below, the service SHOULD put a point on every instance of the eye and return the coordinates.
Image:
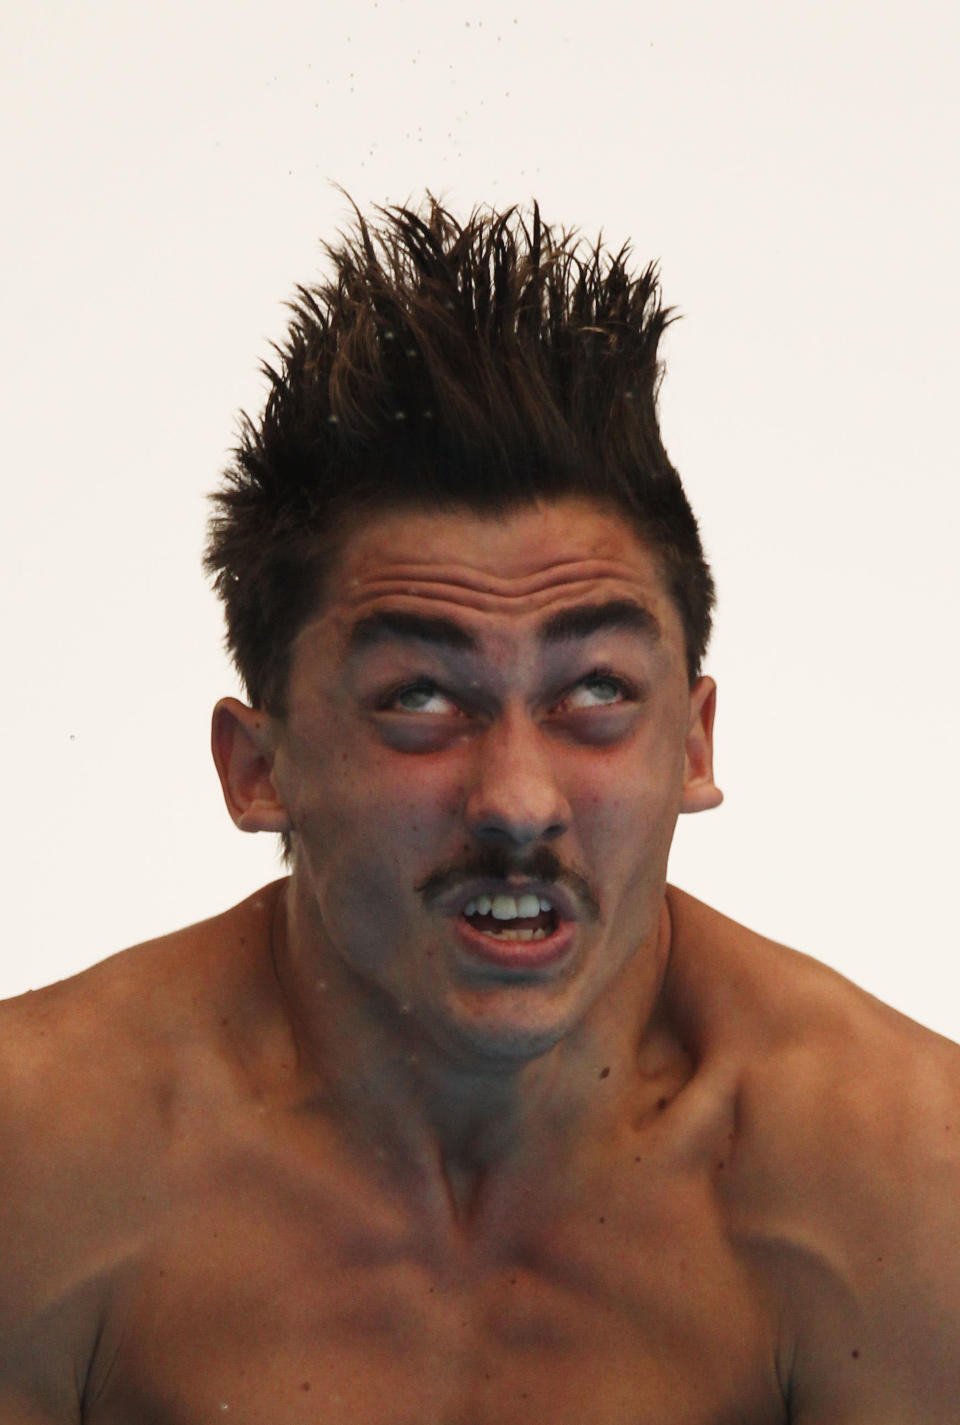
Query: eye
(420, 698)
(597, 690)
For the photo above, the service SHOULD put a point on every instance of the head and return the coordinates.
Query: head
(467, 597)
(483, 367)
(482, 705)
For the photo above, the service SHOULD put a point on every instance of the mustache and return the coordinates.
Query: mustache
(496, 863)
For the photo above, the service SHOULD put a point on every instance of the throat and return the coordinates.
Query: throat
(465, 1191)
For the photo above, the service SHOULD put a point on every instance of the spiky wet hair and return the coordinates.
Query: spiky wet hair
(444, 365)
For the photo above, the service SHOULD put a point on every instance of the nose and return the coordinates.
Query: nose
(514, 799)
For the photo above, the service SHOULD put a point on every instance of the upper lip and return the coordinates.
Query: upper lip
(454, 902)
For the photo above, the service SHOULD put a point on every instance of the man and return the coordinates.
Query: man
(471, 1120)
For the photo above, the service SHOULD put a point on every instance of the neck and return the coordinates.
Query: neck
(455, 1119)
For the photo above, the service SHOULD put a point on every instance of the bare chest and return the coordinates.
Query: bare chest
(262, 1304)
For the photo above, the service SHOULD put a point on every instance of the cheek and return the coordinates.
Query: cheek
(365, 851)
(629, 806)
(369, 812)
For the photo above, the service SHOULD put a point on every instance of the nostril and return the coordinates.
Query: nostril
(519, 835)
(494, 831)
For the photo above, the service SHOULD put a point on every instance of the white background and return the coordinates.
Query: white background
(167, 176)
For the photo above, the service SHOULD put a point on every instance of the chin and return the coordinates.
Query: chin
(508, 1035)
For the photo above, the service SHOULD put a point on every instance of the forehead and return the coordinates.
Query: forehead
(494, 571)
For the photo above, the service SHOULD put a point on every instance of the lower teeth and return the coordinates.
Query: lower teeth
(517, 934)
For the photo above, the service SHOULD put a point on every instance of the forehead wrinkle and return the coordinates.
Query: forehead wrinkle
(398, 611)
(438, 583)
(458, 591)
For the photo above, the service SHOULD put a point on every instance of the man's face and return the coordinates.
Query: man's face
(490, 708)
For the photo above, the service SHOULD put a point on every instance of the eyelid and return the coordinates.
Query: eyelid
(387, 702)
(603, 674)
(606, 674)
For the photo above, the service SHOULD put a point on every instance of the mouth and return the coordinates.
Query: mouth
(515, 928)
(513, 918)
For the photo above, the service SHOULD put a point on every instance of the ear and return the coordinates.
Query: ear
(700, 792)
(242, 741)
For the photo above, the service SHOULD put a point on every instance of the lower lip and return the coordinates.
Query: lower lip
(524, 955)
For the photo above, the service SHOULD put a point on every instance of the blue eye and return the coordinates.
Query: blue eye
(599, 690)
(421, 697)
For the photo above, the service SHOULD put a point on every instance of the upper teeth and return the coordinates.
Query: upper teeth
(508, 907)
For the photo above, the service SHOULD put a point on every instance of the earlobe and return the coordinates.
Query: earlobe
(241, 740)
(700, 791)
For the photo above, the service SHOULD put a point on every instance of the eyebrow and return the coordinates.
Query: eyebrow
(387, 626)
(616, 615)
(583, 621)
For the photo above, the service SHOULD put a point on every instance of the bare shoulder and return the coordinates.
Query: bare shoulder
(84, 1051)
(97, 1073)
(741, 990)
(845, 1182)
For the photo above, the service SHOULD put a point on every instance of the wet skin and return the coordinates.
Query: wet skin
(332, 1156)
(416, 758)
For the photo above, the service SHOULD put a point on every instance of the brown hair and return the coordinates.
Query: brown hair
(477, 366)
